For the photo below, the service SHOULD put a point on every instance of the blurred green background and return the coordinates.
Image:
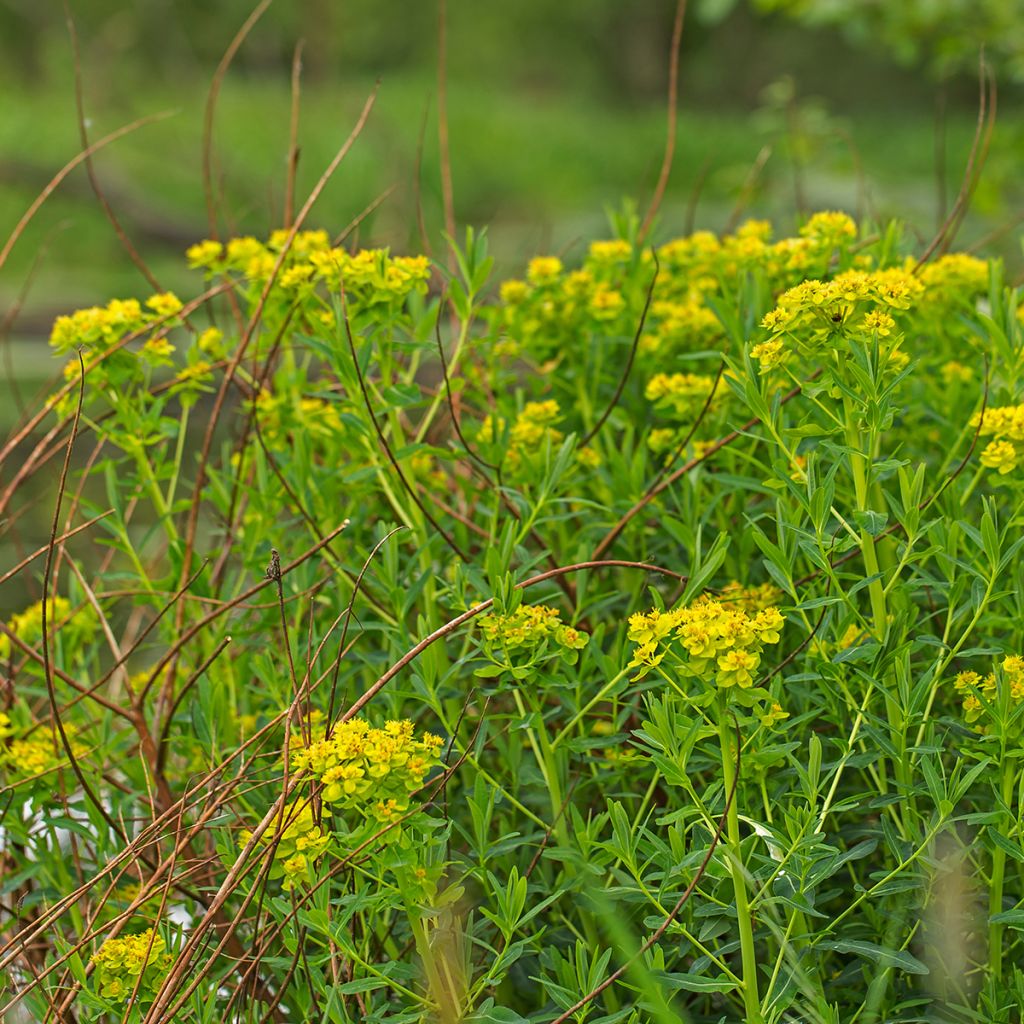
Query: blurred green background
(557, 115)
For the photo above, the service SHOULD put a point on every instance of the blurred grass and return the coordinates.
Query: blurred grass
(539, 170)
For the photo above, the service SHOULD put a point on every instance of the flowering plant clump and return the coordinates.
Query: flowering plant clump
(530, 627)
(136, 962)
(654, 501)
(371, 770)
(707, 640)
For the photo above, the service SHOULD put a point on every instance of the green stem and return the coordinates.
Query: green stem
(995, 889)
(751, 1000)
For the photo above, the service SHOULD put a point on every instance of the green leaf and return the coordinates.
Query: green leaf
(899, 958)
(697, 982)
(1013, 918)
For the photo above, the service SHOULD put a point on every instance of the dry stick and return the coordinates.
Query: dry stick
(211, 107)
(410, 490)
(236, 504)
(146, 837)
(239, 868)
(64, 677)
(496, 483)
(477, 458)
(168, 992)
(49, 189)
(671, 916)
(67, 535)
(593, 432)
(986, 144)
(670, 137)
(691, 204)
(51, 689)
(986, 240)
(747, 189)
(939, 130)
(447, 190)
(358, 219)
(12, 314)
(417, 184)
(273, 574)
(180, 696)
(438, 783)
(122, 237)
(254, 421)
(201, 624)
(654, 490)
(293, 135)
(112, 929)
(347, 614)
(966, 186)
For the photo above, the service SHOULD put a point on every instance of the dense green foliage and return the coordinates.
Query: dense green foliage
(396, 669)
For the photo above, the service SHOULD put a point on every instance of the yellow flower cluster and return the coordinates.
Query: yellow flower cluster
(683, 395)
(283, 414)
(528, 434)
(27, 626)
(300, 843)
(750, 599)
(102, 326)
(139, 960)
(854, 304)
(529, 626)
(722, 643)
(1006, 425)
(373, 770)
(554, 309)
(955, 278)
(39, 752)
(980, 692)
(685, 325)
(369, 276)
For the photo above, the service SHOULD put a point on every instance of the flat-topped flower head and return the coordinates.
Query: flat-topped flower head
(357, 762)
(714, 639)
(139, 961)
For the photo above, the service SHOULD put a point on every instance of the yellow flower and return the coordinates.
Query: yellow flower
(736, 667)
(1001, 456)
(204, 254)
(831, 228)
(614, 251)
(768, 354)
(543, 269)
(138, 961)
(880, 322)
(158, 349)
(514, 292)
(956, 373)
(606, 304)
(165, 304)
